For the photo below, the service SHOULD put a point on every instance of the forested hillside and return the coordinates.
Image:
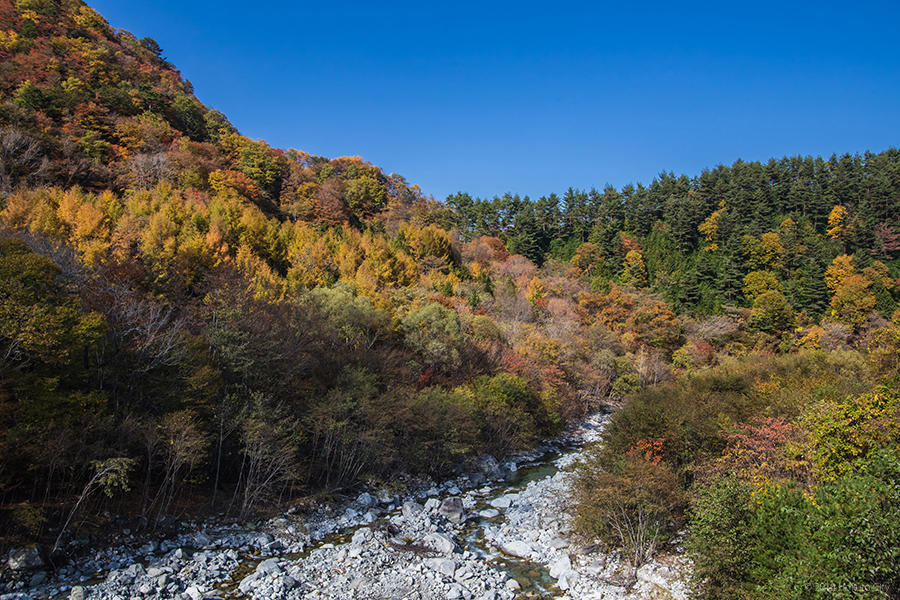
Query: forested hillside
(194, 321)
(698, 237)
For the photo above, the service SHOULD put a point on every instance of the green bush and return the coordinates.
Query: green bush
(718, 543)
(507, 408)
(845, 433)
(434, 332)
(778, 542)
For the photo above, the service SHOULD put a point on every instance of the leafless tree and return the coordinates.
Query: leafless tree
(638, 532)
(149, 329)
(73, 167)
(108, 474)
(143, 336)
(22, 161)
(146, 170)
(269, 450)
(651, 366)
(184, 445)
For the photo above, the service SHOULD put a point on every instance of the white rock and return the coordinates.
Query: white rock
(248, 583)
(361, 536)
(154, 572)
(445, 566)
(503, 501)
(194, 593)
(411, 510)
(77, 593)
(269, 566)
(517, 548)
(567, 580)
(439, 543)
(560, 566)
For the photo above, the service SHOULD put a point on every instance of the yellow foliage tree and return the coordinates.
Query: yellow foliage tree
(757, 283)
(852, 302)
(838, 271)
(709, 228)
(838, 222)
(634, 272)
(536, 291)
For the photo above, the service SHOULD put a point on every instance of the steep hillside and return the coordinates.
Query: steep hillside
(192, 318)
(86, 104)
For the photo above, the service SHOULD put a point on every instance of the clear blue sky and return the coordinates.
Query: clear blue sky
(489, 97)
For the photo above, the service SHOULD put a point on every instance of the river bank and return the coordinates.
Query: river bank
(499, 533)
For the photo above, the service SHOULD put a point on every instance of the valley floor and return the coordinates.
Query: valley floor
(500, 534)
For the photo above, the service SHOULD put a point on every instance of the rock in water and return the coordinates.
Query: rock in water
(504, 501)
(489, 466)
(517, 548)
(452, 509)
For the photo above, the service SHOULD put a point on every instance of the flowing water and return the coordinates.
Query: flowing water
(533, 578)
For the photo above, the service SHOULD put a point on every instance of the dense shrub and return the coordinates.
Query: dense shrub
(791, 465)
(840, 542)
(636, 505)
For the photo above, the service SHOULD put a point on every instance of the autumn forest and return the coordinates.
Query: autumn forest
(193, 322)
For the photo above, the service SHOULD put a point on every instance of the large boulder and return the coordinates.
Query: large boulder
(367, 500)
(194, 593)
(489, 466)
(504, 501)
(439, 543)
(361, 536)
(25, 558)
(269, 566)
(452, 509)
(444, 566)
(411, 510)
(517, 549)
(560, 566)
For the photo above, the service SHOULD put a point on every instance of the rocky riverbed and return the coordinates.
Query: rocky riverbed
(499, 533)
